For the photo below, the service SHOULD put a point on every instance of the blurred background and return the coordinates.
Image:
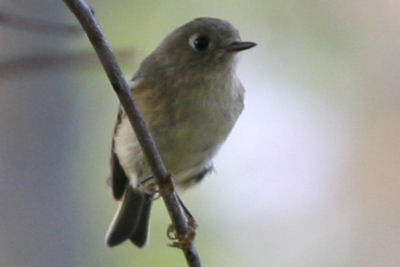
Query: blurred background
(309, 177)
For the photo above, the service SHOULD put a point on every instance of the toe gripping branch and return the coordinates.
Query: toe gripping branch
(181, 239)
(151, 185)
(184, 240)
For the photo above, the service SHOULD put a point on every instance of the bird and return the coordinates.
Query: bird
(190, 97)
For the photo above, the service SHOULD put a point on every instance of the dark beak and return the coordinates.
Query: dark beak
(239, 46)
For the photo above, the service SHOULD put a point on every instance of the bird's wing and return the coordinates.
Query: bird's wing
(118, 178)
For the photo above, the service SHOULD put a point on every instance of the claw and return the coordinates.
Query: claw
(188, 237)
(183, 243)
(149, 185)
(171, 232)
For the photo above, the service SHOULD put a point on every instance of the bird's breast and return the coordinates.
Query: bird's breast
(189, 122)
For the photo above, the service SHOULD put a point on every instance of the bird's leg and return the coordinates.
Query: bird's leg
(146, 179)
(190, 233)
(149, 186)
(191, 220)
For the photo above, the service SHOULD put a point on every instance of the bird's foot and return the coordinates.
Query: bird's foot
(186, 239)
(149, 185)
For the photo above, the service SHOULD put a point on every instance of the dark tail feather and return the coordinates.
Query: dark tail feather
(139, 235)
(132, 215)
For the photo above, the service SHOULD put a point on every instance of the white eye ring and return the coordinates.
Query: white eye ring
(192, 39)
(199, 42)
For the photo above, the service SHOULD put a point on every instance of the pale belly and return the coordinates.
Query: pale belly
(186, 147)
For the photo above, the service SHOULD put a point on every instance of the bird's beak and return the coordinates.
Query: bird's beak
(239, 46)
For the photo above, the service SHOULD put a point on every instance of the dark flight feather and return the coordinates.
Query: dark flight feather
(118, 178)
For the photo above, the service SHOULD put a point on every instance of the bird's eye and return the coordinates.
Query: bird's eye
(199, 42)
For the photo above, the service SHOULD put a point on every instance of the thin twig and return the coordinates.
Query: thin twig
(84, 14)
(43, 61)
(37, 25)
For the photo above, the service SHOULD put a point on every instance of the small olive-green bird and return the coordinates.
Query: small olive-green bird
(190, 97)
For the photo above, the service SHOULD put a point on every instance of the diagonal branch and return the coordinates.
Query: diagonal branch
(84, 14)
(37, 25)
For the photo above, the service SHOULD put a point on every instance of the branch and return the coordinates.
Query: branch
(35, 62)
(84, 14)
(37, 25)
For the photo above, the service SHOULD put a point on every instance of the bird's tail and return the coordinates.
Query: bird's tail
(131, 220)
